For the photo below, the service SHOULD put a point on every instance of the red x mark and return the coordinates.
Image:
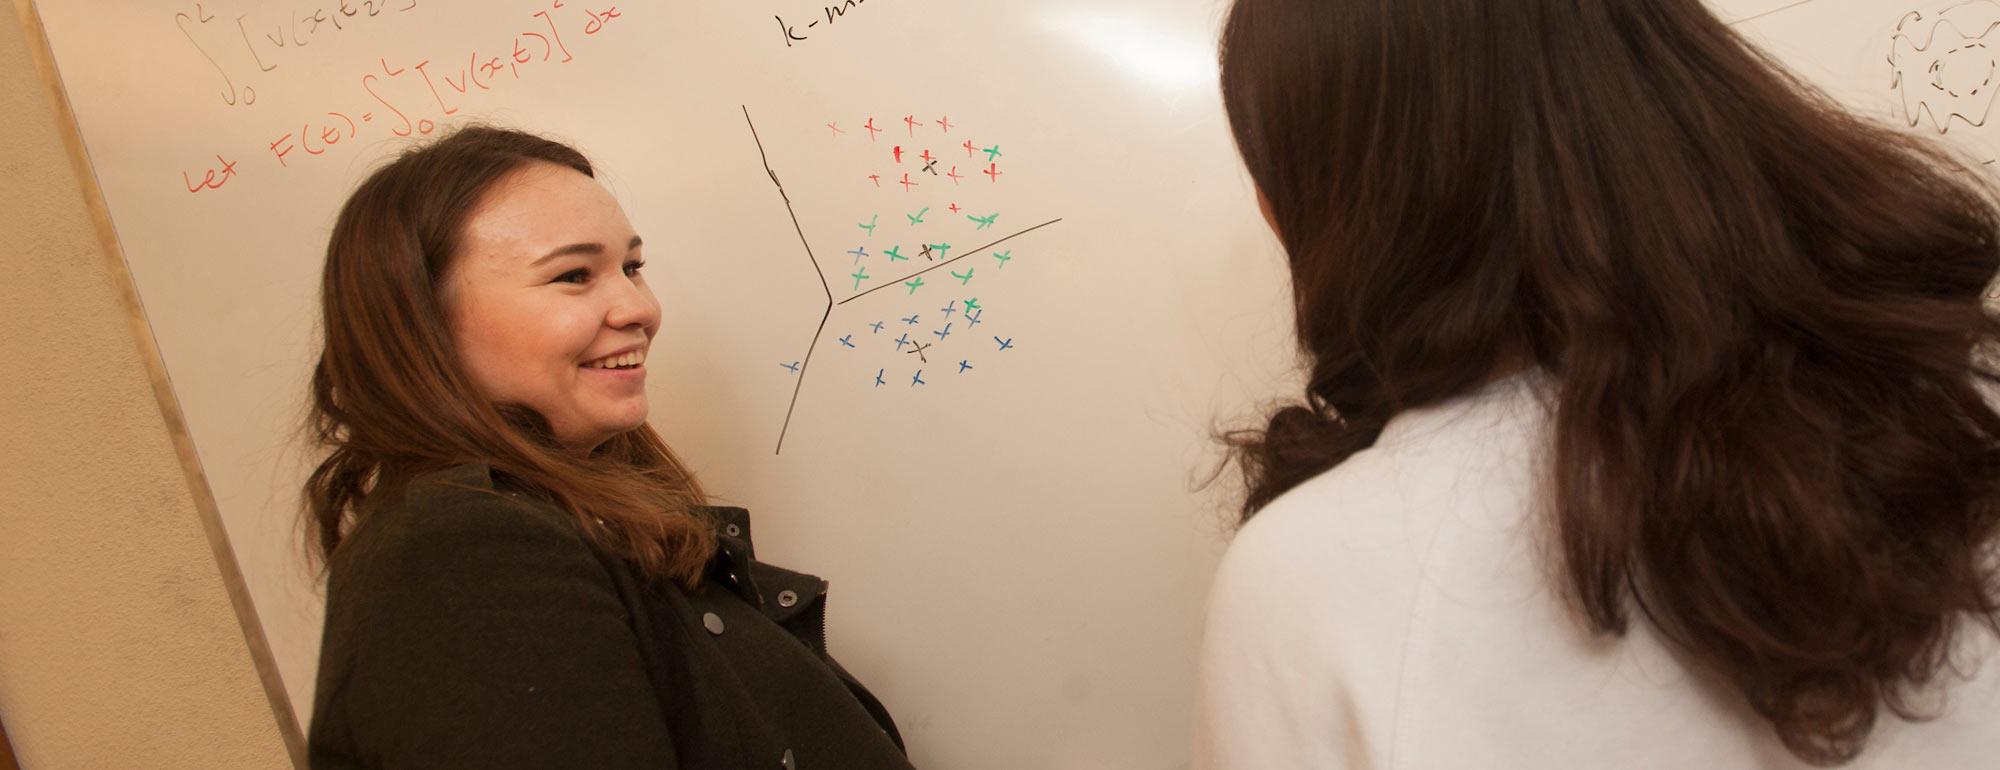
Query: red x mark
(927, 156)
(907, 184)
(876, 178)
(872, 130)
(836, 128)
(968, 148)
(955, 209)
(911, 121)
(954, 175)
(993, 171)
(897, 153)
(946, 123)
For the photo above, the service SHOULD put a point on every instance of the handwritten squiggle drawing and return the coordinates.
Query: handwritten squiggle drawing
(1942, 67)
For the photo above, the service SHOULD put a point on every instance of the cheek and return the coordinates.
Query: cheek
(514, 346)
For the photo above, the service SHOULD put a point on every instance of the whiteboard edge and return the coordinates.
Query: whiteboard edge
(148, 349)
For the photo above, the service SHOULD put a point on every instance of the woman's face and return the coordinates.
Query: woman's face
(547, 305)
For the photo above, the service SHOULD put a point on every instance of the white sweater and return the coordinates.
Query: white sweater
(1398, 613)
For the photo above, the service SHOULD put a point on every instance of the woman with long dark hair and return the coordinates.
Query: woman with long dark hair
(1644, 422)
(520, 572)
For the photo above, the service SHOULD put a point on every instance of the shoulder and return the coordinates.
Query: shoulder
(467, 626)
(460, 501)
(1323, 602)
(1358, 542)
(1338, 552)
(453, 553)
(452, 527)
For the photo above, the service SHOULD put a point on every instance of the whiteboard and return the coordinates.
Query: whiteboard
(1009, 513)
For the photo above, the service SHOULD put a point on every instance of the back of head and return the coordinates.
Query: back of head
(391, 400)
(1764, 316)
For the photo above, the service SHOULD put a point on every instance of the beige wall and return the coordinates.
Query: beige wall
(118, 644)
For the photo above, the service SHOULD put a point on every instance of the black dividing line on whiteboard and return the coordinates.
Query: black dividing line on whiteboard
(1777, 10)
(817, 270)
(940, 265)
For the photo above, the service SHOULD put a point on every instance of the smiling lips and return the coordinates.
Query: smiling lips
(618, 361)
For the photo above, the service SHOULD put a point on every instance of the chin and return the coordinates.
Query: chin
(631, 423)
(624, 415)
(608, 428)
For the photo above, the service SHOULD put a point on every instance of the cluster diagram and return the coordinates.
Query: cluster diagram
(903, 287)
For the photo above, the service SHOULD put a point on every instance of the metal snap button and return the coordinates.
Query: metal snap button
(788, 598)
(733, 530)
(713, 623)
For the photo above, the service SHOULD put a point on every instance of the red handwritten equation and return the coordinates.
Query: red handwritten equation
(271, 38)
(442, 88)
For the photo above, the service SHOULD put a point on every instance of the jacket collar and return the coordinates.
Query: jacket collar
(780, 593)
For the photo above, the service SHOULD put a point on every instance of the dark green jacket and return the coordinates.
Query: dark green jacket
(470, 625)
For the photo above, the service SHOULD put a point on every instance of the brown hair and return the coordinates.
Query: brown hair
(390, 400)
(1762, 316)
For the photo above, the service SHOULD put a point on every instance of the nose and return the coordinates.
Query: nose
(633, 307)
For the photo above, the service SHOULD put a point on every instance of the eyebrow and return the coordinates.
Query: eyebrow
(591, 249)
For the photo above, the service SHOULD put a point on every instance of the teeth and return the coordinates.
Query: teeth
(613, 362)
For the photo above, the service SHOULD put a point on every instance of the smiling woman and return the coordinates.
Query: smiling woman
(520, 572)
(561, 330)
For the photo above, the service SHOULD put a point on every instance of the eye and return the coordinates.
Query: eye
(578, 275)
(632, 267)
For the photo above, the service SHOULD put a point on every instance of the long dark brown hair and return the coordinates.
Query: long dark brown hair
(1761, 314)
(390, 400)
